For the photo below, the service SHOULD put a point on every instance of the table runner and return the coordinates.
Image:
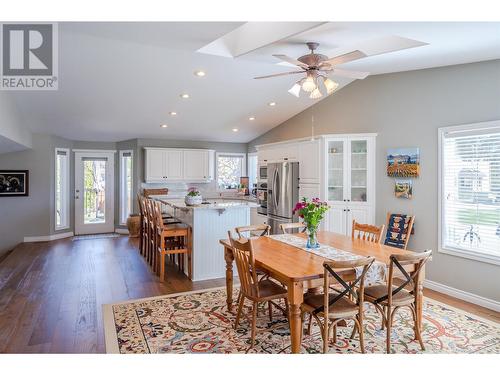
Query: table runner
(376, 273)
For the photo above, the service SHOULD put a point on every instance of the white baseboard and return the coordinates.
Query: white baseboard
(121, 230)
(463, 295)
(52, 237)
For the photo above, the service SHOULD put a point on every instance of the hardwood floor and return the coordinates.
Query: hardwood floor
(51, 293)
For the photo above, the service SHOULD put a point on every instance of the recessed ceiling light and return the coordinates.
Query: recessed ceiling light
(184, 96)
(251, 118)
(235, 130)
(199, 73)
(272, 104)
(173, 113)
(164, 126)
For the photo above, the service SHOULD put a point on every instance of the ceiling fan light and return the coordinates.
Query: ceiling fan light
(316, 94)
(295, 90)
(330, 85)
(309, 84)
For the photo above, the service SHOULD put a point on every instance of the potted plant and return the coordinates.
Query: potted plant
(193, 197)
(312, 212)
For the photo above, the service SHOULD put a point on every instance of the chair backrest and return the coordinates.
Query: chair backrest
(367, 232)
(140, 204)
(157, 216)
(148, 192)
(245, 263)
(411, 279)
(250, 231)
(399, 229)
(290, 227)
(342, 288)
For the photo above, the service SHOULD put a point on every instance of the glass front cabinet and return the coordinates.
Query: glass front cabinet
(349, 186)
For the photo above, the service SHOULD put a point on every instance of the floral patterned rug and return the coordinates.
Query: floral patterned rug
(199, 322)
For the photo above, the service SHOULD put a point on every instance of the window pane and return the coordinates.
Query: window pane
(126, 186)
(229, 171)
(62, 190)
(94, 191)
(471, 191)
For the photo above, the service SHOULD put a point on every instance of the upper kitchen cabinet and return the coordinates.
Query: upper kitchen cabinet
(309, 154)
(170, 164)
(198, 165)
(277, 153)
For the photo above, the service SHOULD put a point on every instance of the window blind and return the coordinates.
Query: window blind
(470, 201)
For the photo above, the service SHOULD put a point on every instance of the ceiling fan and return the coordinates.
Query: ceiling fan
(316, 68)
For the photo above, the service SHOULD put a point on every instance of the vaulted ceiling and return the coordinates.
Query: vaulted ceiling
(120, 80)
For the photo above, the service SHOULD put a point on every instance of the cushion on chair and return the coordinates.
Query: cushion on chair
(344, 306)
(378, 291)
(397, 230)
(268, 288)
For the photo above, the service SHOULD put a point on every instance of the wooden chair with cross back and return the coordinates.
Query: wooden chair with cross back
(389, 298)
(335, 306)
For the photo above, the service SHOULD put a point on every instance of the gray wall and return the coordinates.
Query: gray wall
(406, 109)
(13, 136)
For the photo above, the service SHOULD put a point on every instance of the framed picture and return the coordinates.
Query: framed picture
(403, 162)
(14, 183)
(403, 189)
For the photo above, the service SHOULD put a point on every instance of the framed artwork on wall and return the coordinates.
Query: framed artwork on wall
(403, 189)
(14, 183)
(403, 162)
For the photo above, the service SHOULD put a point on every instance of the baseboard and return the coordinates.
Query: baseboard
(463, 295)
(52, 237)
(121, 230)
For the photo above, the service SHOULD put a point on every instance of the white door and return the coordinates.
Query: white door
(94, 192)
(196, 165)
(360, 214)
(174, 165)
(336, 219)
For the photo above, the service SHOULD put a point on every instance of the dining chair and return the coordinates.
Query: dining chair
(329, 309)
(388, 299)
(251, 287)
(367, 232)
(173, 240)
(250, 231)
(399, 230)
(141, 231)
(301, 227)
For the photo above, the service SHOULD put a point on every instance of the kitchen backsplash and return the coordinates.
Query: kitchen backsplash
(179, 190)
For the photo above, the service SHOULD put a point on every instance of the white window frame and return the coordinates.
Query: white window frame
(243, 172)
(481, 257)
(65, 188)
(249, 155)
(122, 184)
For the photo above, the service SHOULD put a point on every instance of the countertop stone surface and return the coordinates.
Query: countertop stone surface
(211, 204)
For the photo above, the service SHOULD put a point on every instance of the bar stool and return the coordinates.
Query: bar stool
(172, 239)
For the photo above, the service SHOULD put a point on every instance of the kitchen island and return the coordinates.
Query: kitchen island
(209, 223)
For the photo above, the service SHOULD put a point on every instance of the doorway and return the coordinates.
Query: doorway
(94, 192)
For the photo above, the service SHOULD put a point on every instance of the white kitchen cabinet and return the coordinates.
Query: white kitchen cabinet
(256, 218)
(167, 164)
(309, 191)
(349, 187)
(198, 165)
(278, 153)
(309, 153)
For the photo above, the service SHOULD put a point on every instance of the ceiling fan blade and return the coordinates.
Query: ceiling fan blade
(280, 74)
(346, 57)
(350, 73)
(291, 61)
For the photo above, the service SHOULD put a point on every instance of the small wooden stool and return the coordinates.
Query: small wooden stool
(172, 239)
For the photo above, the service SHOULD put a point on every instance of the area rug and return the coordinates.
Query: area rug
(199, 322)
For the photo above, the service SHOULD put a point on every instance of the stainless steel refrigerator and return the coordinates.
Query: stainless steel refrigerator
(282, 193)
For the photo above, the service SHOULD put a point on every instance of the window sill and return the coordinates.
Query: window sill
(481, 257)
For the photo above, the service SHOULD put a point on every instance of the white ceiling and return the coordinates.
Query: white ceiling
(120, 80)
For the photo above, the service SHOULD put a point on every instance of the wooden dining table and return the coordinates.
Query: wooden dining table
(300, 270)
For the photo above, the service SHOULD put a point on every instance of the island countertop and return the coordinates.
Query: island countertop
(212, 204)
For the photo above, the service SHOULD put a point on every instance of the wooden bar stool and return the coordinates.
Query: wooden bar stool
(171, 239)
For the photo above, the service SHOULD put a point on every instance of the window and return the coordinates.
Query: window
(230, 167)
(61, 188)
(252, 169)
(470, 191)
(126, 181)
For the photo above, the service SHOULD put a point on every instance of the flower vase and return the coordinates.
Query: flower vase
(312, 238)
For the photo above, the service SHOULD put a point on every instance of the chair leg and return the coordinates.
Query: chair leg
(326, 337)
(270, 306)
(309, 325)
(162, 266)
(359, 322)
(240, 308)
(416, 322)
(254, 323)
(388, 323)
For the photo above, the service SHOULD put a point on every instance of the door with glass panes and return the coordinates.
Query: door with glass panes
(349, 173)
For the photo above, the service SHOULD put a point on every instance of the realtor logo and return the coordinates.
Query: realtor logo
(29, 57)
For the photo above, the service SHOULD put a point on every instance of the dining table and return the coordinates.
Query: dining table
(301, 270)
